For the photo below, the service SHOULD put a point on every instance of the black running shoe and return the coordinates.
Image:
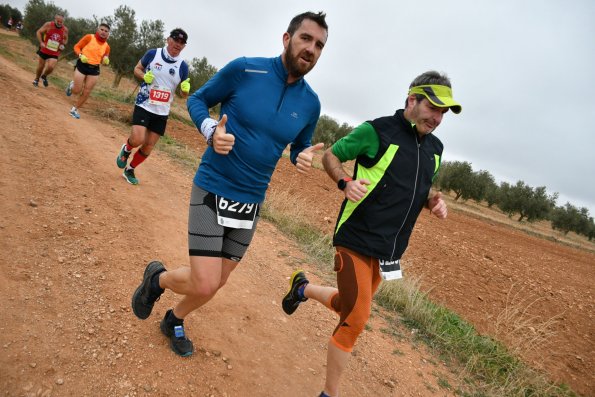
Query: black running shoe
(145, 297)
(36, 82)
(178, 341)
(291, 300)
(45, 81)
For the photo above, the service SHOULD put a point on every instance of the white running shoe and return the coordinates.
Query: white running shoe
(69, 89)
(74, 113)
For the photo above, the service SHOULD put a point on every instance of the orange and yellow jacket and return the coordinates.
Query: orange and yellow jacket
(92, 48)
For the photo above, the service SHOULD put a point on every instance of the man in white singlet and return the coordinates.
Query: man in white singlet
(161, 70)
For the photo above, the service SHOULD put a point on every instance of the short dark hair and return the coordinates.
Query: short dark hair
(295, 23)
(106, 25)
(427, 78)
(179, 34)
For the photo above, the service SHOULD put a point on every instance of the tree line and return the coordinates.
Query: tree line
(7, 12)
(129, 40)
(519, 199)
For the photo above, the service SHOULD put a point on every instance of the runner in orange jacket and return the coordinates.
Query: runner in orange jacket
(92, 50)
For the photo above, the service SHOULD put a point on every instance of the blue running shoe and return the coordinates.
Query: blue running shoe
(69, 88)
(74, 113)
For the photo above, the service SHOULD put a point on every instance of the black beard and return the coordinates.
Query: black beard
(292, 66)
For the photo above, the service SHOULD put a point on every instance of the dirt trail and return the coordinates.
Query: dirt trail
(75, 237)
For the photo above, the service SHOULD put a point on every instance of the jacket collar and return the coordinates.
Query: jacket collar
(407, 126)
(282, 72)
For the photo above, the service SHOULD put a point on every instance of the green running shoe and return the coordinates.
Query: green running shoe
(122, 159)
(129, 176)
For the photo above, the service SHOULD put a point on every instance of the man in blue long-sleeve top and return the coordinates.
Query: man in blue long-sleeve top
(266, 105)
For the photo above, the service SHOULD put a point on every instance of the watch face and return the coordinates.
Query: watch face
(341, 184)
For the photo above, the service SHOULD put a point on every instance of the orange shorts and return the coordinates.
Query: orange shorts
(358, 278)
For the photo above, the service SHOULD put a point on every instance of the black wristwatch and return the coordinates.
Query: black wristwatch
(342, 183)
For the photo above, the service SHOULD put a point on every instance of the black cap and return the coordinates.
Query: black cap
(179, 34)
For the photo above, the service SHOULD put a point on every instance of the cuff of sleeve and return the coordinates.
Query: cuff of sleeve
(207, 128)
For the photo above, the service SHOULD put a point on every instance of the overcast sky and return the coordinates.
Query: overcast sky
(523, 70)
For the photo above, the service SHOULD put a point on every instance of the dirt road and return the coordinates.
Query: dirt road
(75, 237)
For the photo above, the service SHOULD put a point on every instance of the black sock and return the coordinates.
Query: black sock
(172, 320)
(155, 283)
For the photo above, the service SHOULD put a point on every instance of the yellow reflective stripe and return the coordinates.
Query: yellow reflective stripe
(436, 166)
(374, 175)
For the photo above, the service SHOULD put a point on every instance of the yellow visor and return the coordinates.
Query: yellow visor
(438, 95)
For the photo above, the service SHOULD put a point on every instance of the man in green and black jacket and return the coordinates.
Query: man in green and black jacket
(396, 159)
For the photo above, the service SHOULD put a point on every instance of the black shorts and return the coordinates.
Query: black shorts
(151, 121)
(86, 69)
(46, 56)
(206, 237)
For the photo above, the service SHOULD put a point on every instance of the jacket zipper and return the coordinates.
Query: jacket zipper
(282, 99)
(417, 144)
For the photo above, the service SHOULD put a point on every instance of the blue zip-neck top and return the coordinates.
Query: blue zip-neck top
(264, 113)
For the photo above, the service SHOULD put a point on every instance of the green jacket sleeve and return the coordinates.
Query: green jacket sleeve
(363, 140)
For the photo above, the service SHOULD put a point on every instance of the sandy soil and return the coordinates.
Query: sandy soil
(75, 237)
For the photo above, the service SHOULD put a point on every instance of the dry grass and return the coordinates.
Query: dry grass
(489, 369)
(522, 331)
(288, 213)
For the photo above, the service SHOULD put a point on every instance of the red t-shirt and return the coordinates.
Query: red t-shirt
(52, 40)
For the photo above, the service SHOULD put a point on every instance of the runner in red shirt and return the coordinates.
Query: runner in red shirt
(52, 37)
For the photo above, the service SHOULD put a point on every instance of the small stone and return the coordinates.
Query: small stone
(33, 365)
(32, 203)
(59, 381)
